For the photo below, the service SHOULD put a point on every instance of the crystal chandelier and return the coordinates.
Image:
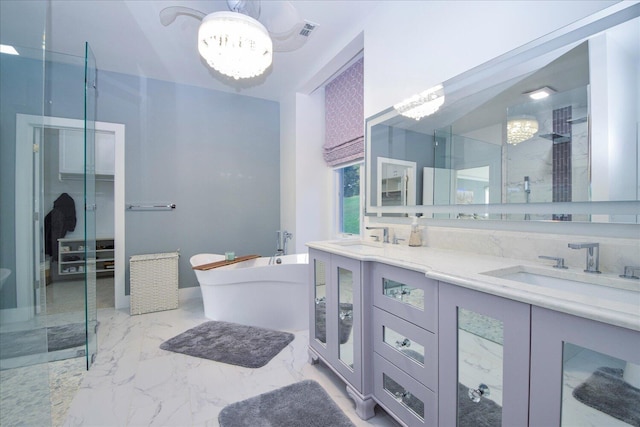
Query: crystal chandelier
(423, 104)
(234, 44)
(520, 129)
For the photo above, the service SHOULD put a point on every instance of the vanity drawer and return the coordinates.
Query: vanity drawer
(409, 347)
(410, 401)
(407, 294)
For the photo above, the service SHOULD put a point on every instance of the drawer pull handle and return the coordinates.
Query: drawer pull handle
(320, 300)
(401, 396)
(346, 314)
(399, 293)
(476, 394)
(405, 343)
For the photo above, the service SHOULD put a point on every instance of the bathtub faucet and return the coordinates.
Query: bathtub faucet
(281, 244)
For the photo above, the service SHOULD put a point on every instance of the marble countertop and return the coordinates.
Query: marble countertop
(603, 297)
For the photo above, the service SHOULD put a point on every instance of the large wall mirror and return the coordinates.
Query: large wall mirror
(547, 132)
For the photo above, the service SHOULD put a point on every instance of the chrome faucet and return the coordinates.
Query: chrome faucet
(629, 272)
(396, 240)
(593, 255)
(385, 233)
(559, 261)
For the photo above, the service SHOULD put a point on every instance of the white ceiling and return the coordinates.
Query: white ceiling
(126, 36)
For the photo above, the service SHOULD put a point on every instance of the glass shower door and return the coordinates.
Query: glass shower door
(91, 312)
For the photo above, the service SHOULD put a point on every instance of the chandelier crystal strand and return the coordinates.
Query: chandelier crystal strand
(521, 129)
(234, 44)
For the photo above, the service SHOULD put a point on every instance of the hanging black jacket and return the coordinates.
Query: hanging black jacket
(58, 222)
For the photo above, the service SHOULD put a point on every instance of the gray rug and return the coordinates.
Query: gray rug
(303, 404)
(241, 345)
(35, 341)
(606, 391)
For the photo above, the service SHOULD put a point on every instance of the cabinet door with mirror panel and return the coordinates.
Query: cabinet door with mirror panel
(483, 358)
(583, 373)
(336, 313)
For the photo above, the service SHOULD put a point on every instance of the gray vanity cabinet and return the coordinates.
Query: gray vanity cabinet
(405, 343)
(582, 372)
(484, 359)
(437, 354)
(336, 323)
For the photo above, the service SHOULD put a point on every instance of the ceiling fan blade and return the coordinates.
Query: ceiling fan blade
(169, 14)
(279, 16)
(246, 7)
(288, 30)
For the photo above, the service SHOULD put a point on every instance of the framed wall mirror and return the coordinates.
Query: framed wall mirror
(546, 132)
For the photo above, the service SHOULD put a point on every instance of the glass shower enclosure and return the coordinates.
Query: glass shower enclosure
(37, 85)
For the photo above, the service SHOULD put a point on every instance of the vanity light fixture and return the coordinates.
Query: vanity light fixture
(422, 104)
(541, 93)
(8, 49)
(235, 44)
(521, 128)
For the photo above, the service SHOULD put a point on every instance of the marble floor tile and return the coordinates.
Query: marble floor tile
(39, 395)
(135, 383)
(65, 377)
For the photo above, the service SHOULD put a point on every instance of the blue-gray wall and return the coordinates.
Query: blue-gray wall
(215, 155)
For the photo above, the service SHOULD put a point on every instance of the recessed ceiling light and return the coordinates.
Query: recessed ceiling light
(5, 48)
(541, 93)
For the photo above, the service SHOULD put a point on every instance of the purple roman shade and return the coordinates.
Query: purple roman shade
(344, 116)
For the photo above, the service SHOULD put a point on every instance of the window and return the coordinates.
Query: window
(349, 206)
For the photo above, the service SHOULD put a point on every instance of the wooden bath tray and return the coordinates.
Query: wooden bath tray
(224, 262)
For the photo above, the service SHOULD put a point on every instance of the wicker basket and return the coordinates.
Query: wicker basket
(154, 282)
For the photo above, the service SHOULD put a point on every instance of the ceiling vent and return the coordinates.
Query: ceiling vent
(307, 28)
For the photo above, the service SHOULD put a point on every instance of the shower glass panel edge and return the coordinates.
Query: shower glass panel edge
(91, 318)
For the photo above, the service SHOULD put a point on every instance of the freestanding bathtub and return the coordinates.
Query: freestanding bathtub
(256, 293)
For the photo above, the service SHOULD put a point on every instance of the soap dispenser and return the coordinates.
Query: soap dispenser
(415, 239)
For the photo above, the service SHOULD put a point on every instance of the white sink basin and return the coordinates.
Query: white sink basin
(596, 286)
(359, 245)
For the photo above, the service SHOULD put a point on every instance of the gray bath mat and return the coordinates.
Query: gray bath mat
(606, 391)
(303, 404)
(241, 345)
(25, 343)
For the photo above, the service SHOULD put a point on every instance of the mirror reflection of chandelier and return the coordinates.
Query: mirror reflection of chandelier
(236, 45)
(422, 104)
(521, 128)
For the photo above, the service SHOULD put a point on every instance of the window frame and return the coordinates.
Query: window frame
(338, 220)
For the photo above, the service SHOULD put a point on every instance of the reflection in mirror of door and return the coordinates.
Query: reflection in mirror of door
(397, 182)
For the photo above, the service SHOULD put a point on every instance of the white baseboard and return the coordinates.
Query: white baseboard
(189, 293)
(183, 295)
